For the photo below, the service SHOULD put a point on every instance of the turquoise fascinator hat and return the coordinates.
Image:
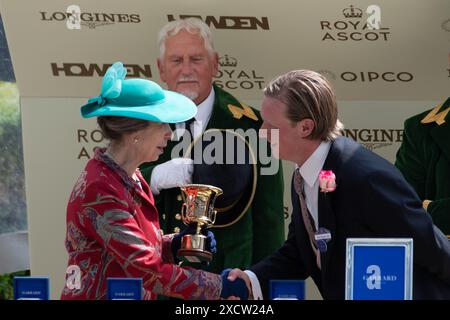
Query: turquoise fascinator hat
(137, 98)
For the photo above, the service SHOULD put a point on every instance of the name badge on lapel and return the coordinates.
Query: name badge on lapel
(322, 237)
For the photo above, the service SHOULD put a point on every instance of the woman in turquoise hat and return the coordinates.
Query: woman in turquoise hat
(112, 223)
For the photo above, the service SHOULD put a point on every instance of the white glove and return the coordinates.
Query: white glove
(174, 173)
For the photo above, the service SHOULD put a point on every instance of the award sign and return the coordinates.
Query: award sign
(124, 288)
(287, 289)
(379, 269)
(31, 288)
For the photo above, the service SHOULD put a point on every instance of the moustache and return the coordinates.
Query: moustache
(187, 79)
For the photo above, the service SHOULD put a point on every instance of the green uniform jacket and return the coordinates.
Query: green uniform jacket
(260, 231)
(424, 160)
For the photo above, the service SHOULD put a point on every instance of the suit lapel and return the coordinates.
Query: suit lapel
(326, 215)
(144, 194)
(326, 220)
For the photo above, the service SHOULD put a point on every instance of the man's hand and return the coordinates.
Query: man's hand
(235, 285)
(238, 273)
(173, 173)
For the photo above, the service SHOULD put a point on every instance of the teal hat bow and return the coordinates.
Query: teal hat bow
(137, 98)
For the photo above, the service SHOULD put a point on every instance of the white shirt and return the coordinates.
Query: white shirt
(310, 171)
(204, 111)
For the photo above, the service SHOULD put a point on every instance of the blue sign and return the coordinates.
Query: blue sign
(379, 269)
(31, 288)
(124, 288)
(287, 289)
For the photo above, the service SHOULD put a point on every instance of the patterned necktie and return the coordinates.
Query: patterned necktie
(307, 219)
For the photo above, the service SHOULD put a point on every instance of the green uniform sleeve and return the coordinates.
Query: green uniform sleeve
(440, 213)
(410, 159)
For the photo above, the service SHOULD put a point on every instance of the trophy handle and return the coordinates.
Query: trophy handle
(213, 218)
(183, 213)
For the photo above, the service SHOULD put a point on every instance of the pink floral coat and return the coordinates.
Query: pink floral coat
(113, 231)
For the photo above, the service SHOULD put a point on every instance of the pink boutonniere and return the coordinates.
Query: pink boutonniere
(327, 181)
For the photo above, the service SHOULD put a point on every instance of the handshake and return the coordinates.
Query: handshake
(235, 285)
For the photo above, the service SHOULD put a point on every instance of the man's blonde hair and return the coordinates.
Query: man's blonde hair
(308, 95)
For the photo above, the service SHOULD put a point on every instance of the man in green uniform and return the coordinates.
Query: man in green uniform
(255, 228)
(424, 160)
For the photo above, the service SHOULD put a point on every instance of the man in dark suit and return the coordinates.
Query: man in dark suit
(366, 197)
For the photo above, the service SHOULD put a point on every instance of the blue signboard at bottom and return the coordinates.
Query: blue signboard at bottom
(31, 288)
(379, 269)
(287, 289)
(124, 288)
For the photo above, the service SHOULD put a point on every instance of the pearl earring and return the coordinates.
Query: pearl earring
(135, 140)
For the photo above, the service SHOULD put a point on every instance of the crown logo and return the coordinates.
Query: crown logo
(352, 12)
(227, 61)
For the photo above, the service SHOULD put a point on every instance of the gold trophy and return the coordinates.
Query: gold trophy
(198, 207)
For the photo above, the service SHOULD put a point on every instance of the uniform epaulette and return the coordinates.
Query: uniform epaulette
(244, 111)
(436, 116)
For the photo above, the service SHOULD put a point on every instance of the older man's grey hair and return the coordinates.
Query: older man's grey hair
(191, 25)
